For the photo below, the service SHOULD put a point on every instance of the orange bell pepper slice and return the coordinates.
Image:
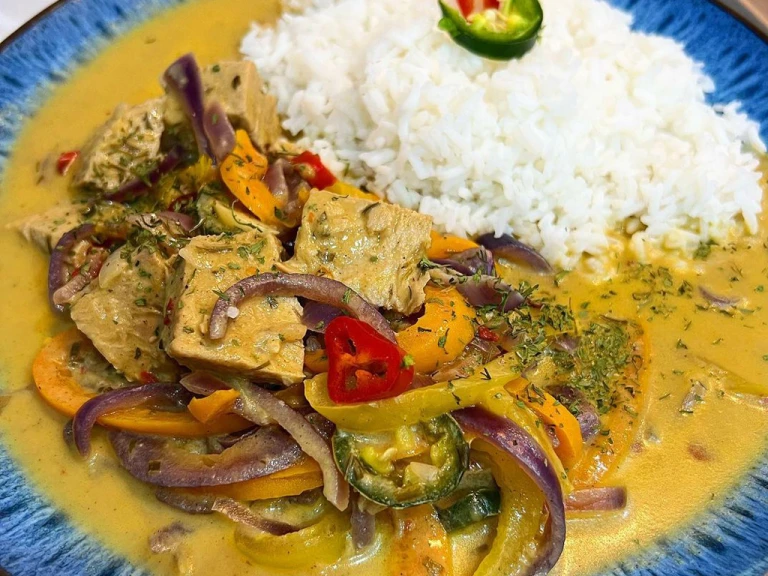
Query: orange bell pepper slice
(242, 171)
(442, 333)
(60, 390)
(316, 361)
(550, 411)
(445, 245)
(622, 423)
(213, 406)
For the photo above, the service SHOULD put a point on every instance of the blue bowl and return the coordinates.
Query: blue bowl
(36, 538)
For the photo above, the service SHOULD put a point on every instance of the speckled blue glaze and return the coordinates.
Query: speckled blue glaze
(35, 538)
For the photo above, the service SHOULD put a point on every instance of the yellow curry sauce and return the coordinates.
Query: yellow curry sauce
(680, 463)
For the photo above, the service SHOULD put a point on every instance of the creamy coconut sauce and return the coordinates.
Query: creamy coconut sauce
(680, 463)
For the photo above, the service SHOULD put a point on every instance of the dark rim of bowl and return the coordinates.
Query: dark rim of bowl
(10, 39)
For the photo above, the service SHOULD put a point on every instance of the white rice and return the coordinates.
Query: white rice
(597, 131)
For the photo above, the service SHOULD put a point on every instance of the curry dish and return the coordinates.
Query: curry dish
(260, 368)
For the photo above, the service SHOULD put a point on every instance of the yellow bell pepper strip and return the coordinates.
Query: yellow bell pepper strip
(506, 404)
(292, 481)
(319, 544)
(446, 245)
(344, 189)
(242, 171)
(442, 333)
(619, 427)
(316, 361)
(520, 516)
(213, 406)
(421, 546)
(554, 414)
(57, 386)
(412, 406)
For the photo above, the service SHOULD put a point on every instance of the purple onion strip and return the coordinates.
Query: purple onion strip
(480, 290)
(316, 316)
(285, 183)
(507, 436)
(509, 248)
(57, 268)
(335, 488)
(717, 300)
(317, 288)
(162, 462)
(470, 262)
(185, 82)
(232, 509)
(122, 399)
(604, 499)
(88, 272)
(218, 129)
(363, 525)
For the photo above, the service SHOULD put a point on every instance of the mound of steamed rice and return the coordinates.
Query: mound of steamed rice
(597, 133)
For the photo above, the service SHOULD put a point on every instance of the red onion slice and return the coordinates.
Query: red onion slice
(255, 399)
(87, 273)
(602, 499)
(316, 316)
(509, 248)
(232, 509)
(122, 399)
(203, 383)
(317, 288)
(510, 438)
(470, 262)
(480, 290)
(285, 183)
(218, 129)
(184, 81)
(276, 180)
(718, 300)
(160, 461)
(363, 525)
(57, 267)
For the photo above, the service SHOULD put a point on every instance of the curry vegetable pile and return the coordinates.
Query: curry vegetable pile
(269, 343)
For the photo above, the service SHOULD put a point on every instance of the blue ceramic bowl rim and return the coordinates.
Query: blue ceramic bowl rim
(730, 539)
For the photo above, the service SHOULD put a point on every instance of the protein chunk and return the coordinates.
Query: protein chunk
(265, 340)
(122, 314)
(46, 229)
(373, 247)
(124, 148)
(237, 86)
